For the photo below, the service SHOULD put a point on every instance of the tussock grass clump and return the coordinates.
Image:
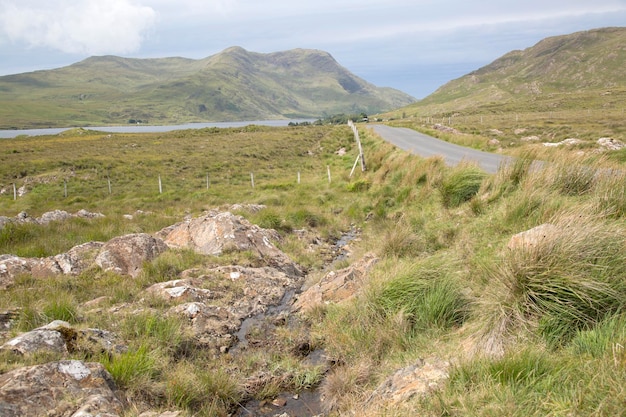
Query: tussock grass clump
(460, 185)
(427, 294)
(508, 178)
(400, 240)
(607, 338)
(204, 391)
(532, 382)
(610, 193)
(570, 280)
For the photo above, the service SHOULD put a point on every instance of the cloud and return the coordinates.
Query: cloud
(91, 27)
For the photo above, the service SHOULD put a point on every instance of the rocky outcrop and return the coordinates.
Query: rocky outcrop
(212, 326)
(610, 144)
(60, 337)
(73, 262)
(47, 217)
(66, 388)
(419, 379)
(336, 286)
(532, 237)
(217, 300)
(220, 232)
(125, 255)
(12, 266)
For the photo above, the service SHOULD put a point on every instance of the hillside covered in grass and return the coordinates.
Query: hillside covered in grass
(232, 85)
(564, 92)
(582, 70)
(512, 327)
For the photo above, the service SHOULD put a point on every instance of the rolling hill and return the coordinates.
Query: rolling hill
(583, 70)
(234, 84)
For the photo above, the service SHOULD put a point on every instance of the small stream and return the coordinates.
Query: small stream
(307, 403)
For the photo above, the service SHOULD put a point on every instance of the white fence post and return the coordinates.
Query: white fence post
(160, 186)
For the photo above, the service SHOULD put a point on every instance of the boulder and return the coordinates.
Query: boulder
(49, 338)
(72, 262)
(336, 286)
(610, 144)
(220, 232)
(4, 220)
(181, 290)
(212, 326)
(532, 237)
(125, 255)
(66, 388)
(84, 214)
(12, 266)
(418, 379)
(53, 216)
(60, 337)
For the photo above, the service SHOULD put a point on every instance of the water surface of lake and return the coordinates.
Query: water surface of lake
(139, 128)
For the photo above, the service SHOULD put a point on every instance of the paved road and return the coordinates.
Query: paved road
(426, 146)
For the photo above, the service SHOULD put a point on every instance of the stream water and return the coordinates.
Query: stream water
(307, 403)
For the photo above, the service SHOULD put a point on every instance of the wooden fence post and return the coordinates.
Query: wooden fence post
(14, 192)
(328, 172)
(160, 186)
(252, 179)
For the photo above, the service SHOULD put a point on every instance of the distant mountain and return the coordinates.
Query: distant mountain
(580, 70)
(234, 84)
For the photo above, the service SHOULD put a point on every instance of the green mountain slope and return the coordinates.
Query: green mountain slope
(232, 85)
(580, 70)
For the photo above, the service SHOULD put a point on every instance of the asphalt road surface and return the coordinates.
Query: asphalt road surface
(426, 146)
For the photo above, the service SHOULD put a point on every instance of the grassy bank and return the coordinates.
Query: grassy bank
(531, 331)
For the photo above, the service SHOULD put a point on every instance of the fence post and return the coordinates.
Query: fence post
(252, 179)
(109, 183)
(298, 177)
(65, 188)
(208, 182)
(14, 192)
(328, 172)
(160, 186)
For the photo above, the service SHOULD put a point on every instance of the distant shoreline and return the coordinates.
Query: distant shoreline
(141, 128)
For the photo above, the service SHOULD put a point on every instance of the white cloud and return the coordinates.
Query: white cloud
(93, 27)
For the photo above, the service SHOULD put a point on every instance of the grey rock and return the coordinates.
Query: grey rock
(125, 255)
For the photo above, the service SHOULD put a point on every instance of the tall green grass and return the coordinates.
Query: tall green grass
(460, 185)
(570, 280)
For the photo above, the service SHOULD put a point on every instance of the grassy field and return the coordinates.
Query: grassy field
(536, 331)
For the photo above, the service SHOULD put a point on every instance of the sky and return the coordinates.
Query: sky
(414, 46)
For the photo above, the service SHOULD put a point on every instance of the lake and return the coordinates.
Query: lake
(139, 128)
